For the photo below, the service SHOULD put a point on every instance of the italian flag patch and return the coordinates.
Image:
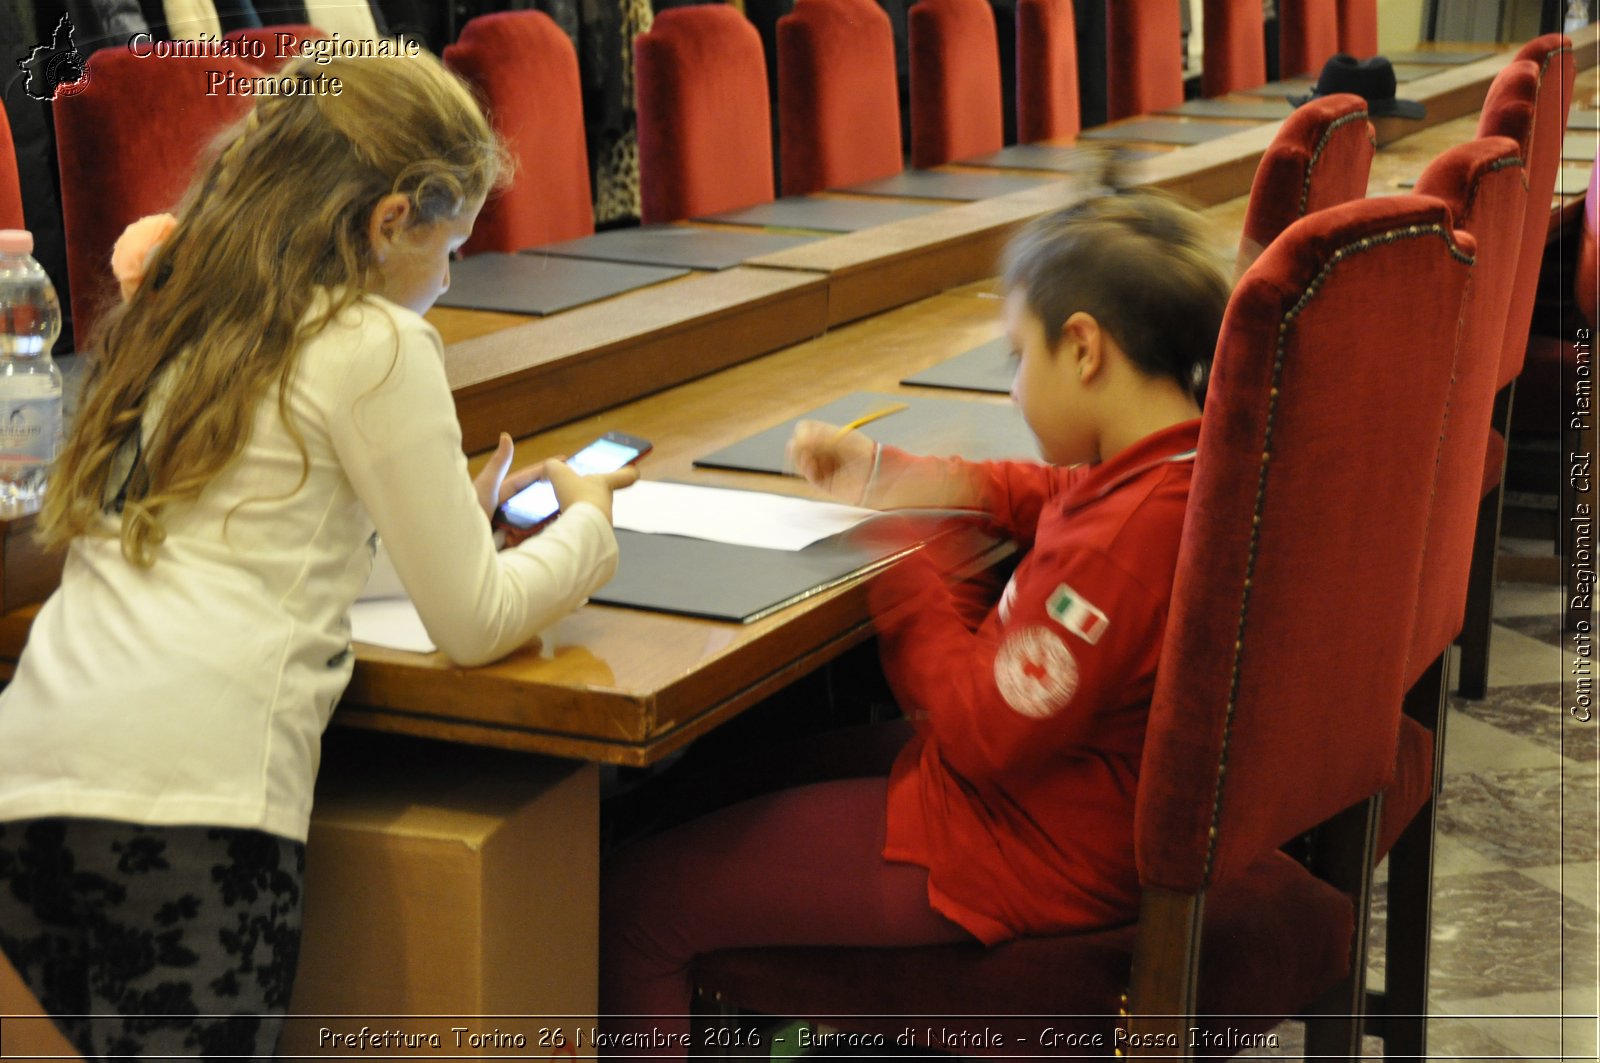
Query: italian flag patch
(1077, 614)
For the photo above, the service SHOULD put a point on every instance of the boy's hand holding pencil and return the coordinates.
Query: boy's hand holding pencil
(838, 460)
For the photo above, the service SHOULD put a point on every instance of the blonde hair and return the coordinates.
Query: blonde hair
(282, 211)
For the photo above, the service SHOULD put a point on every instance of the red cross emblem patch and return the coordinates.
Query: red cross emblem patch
(1036, 673)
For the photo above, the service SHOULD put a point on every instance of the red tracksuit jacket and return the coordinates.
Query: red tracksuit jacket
(1017, 794)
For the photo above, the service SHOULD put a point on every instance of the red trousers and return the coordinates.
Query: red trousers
(802, 866)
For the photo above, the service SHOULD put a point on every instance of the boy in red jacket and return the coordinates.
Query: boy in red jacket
(1010, 809)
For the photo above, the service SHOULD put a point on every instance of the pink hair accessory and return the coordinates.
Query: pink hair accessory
(131, 255)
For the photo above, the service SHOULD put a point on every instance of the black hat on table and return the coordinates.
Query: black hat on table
(1371, 79)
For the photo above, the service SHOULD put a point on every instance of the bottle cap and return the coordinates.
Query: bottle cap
(16, 242)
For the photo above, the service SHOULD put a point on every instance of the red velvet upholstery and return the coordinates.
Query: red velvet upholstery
(277, 44)
(1275, 910)
(128, 146)
(705, 136)
(1308, 35)
(1236, 54)
(1528, 103)
(10, 183)
(1047, 71)
(1320, 157)
(524, 69)
(1358, 28)
(1412, 786)
(1240, 755)
(1305, 377)
(838, 103)
(955, 81)
(1144, 57)
(1482, 184)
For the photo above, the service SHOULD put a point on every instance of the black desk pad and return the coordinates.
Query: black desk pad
(1280, 89)
(1055, 158)
(1580, 146)
(977, 431)
(947, 184)
(674, 574)
(674, 245)
(1585, 119)
(1260, 110)
(988, 367)
(1436, 58)
(1404, 72)
(824, 214)
(542, 284)
(1159, 131)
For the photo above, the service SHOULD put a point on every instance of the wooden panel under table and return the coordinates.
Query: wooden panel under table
(627, 686)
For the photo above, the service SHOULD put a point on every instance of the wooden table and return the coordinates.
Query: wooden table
(687, 364)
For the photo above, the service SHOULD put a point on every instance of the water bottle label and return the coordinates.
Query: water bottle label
(29, 430)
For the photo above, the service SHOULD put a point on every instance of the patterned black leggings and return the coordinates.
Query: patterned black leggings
(153, 941)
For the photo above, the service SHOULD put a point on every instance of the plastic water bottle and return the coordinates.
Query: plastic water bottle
(30, 383)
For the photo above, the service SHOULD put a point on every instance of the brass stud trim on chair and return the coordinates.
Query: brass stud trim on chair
(1322, 145)
(1355, 247)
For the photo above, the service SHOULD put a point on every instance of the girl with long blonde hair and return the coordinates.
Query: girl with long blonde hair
(266, 399)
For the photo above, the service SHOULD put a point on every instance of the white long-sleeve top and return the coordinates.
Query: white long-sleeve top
(196, 691)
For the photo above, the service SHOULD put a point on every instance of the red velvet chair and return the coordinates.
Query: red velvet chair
(1527, 103)
(1358, 28)
(10, 183)
(128, 146)
(1144, 57)
(1481, 183)
(705, 138)
(1047, 71)
(955, 81)
(276, 44)
(1320, 157)
(1305, 397)
(1308, 35)
(525, 71)
(1236, 51)
(838, 102)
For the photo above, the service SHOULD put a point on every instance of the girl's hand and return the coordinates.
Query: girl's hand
(839, 465)
(595, 490)
(492, 483)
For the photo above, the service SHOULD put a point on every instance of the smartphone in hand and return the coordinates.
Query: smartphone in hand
(536, 504)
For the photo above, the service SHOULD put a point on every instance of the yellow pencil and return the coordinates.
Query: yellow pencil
(868, 418)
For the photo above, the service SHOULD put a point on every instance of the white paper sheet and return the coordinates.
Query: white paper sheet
(741, 518)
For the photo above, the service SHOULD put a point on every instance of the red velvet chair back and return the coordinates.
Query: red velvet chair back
(1047, 71)
(275, 45)
(955, 81)
(1320, 157)
(525, 71)
(10, 183)
(705, 135)
(1358, 28)
(1236, 52)
(1481, 182)
(1588, 290)
(1528, 103)
(1144, 57)
(1308, 35)
(128, 146)
(1277, 703)
(838, 102)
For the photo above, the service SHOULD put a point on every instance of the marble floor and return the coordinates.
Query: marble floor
(1516, 903)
